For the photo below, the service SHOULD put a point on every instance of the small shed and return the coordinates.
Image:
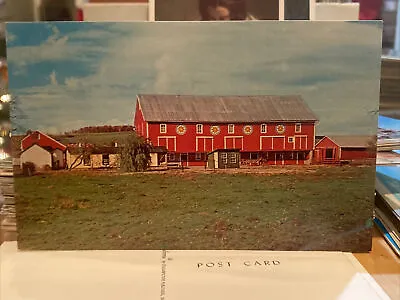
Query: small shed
(336, 149)
(223, 159)
(158, 155)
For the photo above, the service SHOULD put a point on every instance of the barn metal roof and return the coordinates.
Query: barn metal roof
(221, 109)
(352, 141)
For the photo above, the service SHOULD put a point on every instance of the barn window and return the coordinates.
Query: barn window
(290, 139)
(163, 128)
(297, 128)
(171, 156)
(329, 153)
(263, 128)
(231, 128)
(106, 159)
(199, 128)
(198, 156)
(232, 158)
(224, 158)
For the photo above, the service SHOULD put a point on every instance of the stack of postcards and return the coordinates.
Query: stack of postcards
(387, 201)
(387, 211)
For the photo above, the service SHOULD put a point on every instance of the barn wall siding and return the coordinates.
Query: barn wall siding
(356, 153)
(207, 142)
(139, 122)
(37, 155)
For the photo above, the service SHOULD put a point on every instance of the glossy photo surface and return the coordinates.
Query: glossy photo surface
(198, 135)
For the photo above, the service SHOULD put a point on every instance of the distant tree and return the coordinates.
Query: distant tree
(101, 129)
(134, 154)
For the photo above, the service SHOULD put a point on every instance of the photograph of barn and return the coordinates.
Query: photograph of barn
(198, 135)
(278, 129)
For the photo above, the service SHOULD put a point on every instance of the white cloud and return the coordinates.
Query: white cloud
(72, 82)
(188, 61)
(55, 48)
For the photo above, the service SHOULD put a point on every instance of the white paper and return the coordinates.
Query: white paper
(79, 275)
(176, 275)
(267, 275)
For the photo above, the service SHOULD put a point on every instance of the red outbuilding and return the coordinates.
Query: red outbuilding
(42, 140)
(336, 149)
(277, 130)
(43, 151)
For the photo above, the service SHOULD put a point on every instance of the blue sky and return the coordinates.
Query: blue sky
(388, 123)
(70, 75)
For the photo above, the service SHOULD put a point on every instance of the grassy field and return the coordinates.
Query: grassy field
(312, 208)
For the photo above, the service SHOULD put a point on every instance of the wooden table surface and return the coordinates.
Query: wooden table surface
(383, 264)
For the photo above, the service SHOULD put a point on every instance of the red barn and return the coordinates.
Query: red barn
(336, 149)
(42, 150)
(41, 139)
(268, 129)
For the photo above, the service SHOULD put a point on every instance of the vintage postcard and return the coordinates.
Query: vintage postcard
(198, 135)
(388, 141)
(182, 275)
(233, 10)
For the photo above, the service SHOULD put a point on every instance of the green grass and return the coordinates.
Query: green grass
(326, 209)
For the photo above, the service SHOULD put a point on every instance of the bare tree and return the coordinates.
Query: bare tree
(82, 150)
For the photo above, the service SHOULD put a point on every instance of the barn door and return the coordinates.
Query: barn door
(300, 142)
(266, 143)
(167, 142)
(278, 143)
(204, 144)
(234, 142)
